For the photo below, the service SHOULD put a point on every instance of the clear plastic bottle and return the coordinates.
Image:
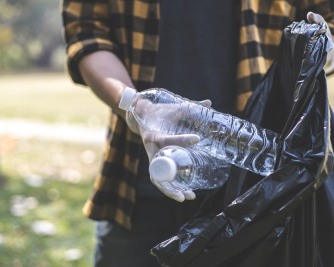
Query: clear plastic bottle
(188, 168)
(227, 137)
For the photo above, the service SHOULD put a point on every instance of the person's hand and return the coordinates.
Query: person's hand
(174, 193)
(154, 140)
(161, 112)
(318, 19)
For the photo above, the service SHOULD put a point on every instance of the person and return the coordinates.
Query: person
(217, 50)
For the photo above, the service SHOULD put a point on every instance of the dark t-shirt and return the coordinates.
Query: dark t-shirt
(197, 57)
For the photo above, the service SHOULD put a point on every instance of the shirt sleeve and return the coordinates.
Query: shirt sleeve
(87, 28)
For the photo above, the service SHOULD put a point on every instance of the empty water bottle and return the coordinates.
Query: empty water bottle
(188, 168)
(227, 137)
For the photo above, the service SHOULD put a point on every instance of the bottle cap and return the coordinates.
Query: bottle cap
(126, 98)
(163, 169)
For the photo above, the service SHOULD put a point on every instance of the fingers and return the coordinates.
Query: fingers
(315, 18)
(162, 140)
(189, 195)
(318, 19)
(205, 103)
(182, 140)
(169, 192)
(174, 193)
(154, 141)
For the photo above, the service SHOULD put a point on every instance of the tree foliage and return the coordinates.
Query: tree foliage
(30, 34)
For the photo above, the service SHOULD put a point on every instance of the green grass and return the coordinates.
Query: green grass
(50, 97)
(54, 176)
(57, 178)
(59, 203)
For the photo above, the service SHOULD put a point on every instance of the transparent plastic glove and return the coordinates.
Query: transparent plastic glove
(162, 110)
(318, 19)
(153, 141)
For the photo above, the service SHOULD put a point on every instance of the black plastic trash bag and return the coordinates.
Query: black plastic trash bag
(287, 218)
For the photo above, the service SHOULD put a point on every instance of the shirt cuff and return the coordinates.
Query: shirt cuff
(78, 49)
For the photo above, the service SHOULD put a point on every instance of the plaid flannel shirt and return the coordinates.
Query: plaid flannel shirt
(129, 28)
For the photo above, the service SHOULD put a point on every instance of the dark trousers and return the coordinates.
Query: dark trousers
(154, 220)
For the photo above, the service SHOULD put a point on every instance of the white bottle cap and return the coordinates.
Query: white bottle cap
(163, 169)
(126, 98)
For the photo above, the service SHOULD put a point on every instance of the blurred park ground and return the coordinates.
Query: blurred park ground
(51, 140)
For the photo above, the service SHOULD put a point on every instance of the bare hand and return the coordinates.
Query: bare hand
(318, 19)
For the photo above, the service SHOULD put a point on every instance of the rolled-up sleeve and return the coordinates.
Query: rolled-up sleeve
(87, 28)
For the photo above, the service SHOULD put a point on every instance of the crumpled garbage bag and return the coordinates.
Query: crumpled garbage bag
(287, 218)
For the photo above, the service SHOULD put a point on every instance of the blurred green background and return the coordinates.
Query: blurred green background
(51, 140)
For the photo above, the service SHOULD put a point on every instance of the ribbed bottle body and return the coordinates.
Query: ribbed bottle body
(195, 168)
(227, 137)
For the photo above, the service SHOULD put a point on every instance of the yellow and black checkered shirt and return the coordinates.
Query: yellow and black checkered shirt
(129, 28)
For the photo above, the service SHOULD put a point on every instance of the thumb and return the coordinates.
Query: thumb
(318, 19)
(205, 103)
(315, 18)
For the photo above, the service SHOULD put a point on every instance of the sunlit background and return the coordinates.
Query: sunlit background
(51, 138)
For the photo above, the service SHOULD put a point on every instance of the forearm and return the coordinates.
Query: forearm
(106, 75)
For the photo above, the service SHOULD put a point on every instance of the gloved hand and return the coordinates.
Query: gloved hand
(153, 141)
(318, 19)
